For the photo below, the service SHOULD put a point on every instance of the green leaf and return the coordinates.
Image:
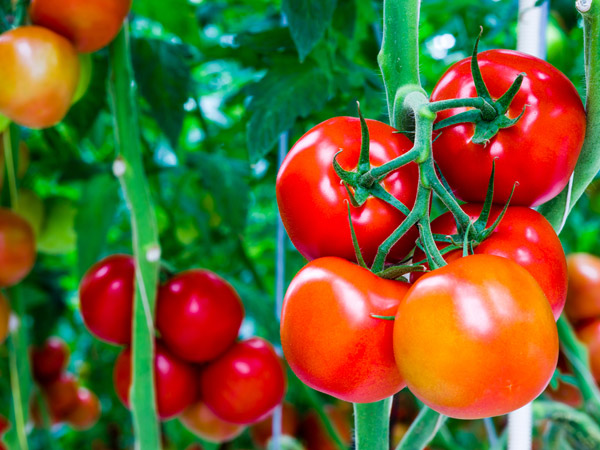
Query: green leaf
(308, 20)
(582, 431)
(287, 91)
(422, 430)
(176, 16)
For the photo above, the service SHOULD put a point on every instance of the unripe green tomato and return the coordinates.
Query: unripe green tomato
(31, 208)
(85, 76)
(58, 234)
(557, 41)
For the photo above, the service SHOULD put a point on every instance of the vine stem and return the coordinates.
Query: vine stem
(129, 169)
(372, 424)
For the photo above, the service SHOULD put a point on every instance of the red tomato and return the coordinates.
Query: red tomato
(49, 360)
(525, 237)
(583, 296)
(106, 298)
(589, 334)
(175, 381)
(245, 383)
(17, 247)
(198, 315)
(89, 24)
(39, 71)
(539, 151)
(262, 431)
(61, 396)
(327, 331)
(316, 436)
(87, 411)
(476, 338)
(4, 425)
(311, 197)
(4, 318)
(201, 421)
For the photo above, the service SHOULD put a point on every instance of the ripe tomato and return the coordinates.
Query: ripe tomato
(106, 298)
(198, 315)
(4, 425)
(175, 381)
(539, 151)
(201, 421)
(49, 360)
(311, 198)
(39, 71)
(525, 237)
(583, 296)
(476, 338)
(327, 331)
(61, 396)
(17, 248)
(589, 334)
(245, 383)
(262, 431)
(90, 24)
(4, 318)
(315, 435)
(87, 411)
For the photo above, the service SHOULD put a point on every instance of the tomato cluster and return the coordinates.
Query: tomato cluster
(216, 384)
(475, 337)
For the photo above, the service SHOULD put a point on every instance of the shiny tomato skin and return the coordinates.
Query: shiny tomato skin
(312, 201)
(200, 420)
(49, 360)
(583, 296)
(261, 432)
(89, 25)
(476, 338)
(17, 248)
(589, 334)
(245, 383)
(523, 236)
(327, 331)
(174, 381)
(198, 315)
(39, 71)
(87, 411)
(539, 151)
(106, 299)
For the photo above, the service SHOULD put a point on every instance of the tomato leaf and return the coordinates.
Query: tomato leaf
(176, 16)
(422, 430)
(582, 430)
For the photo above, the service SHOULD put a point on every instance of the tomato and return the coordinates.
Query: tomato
(525, 237)
(476, 338)
(87, 411)
(589, 334)
(539, 151)
(49, 360)
(316, 436)
(583, 296)
(39, 71)
(4, 425)
(61, 396)
(198, 315)
(201, 421)
(17, 248)
(175, 381)
(35, 412)
(261, 432)
(327, 331)
(245, 383)
(106, 298)
(4, 318)
(312, 201)
(90, 25)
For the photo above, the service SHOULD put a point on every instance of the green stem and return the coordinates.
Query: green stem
(9, 151)
(476, 102)
(372, 425)
(394, 164)
(422, 430)
(129, 169)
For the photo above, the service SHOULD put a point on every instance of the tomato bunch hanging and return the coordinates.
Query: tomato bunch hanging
(474, 336)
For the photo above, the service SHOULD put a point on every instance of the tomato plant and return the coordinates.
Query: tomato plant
(89, 25)
(313, 203)
(245, 383)
(17, 248)
(262, 431)
(106, 298)
(61, 396)
(589, 334)
(200, 420)
(86, 412)
(198, 315)
(315, 435)
(488, 333)
(50, 360)
(327, 330)
(539, 152)
(4, 318)
(39, 71)
(583, 296)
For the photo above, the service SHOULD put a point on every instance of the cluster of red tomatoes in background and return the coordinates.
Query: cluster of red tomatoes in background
(216, 384)
(472, 339)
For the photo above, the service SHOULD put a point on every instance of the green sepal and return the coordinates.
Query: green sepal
(364, 164)
(346, 176)
(359, 258)
(485, 234)
(467, 244)
(503, 103)
(480, 87)
(376, 316)
(481, 221)
(395, 272)
(379, 192)
(484, 130)
(472, 116)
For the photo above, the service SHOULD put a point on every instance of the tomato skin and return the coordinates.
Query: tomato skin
(49, 360)
(39, 71)
(312, 201)
(106, 299)
(245, 383)
(523, 236)
(539, 151)
(200, 420)
(198, 315)
(90, 25)
(175, 381)
(61, 396)
(87, 411)
(488, 333)
(327, 331)
(583, 296)
(262, 431)
(17, 248)
(589, 334)
(4, 318)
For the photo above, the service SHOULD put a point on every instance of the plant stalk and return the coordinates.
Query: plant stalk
(372, 424)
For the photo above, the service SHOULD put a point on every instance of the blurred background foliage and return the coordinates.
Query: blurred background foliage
(219, 81)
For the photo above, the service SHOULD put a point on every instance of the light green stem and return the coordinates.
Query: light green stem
(372, 425)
